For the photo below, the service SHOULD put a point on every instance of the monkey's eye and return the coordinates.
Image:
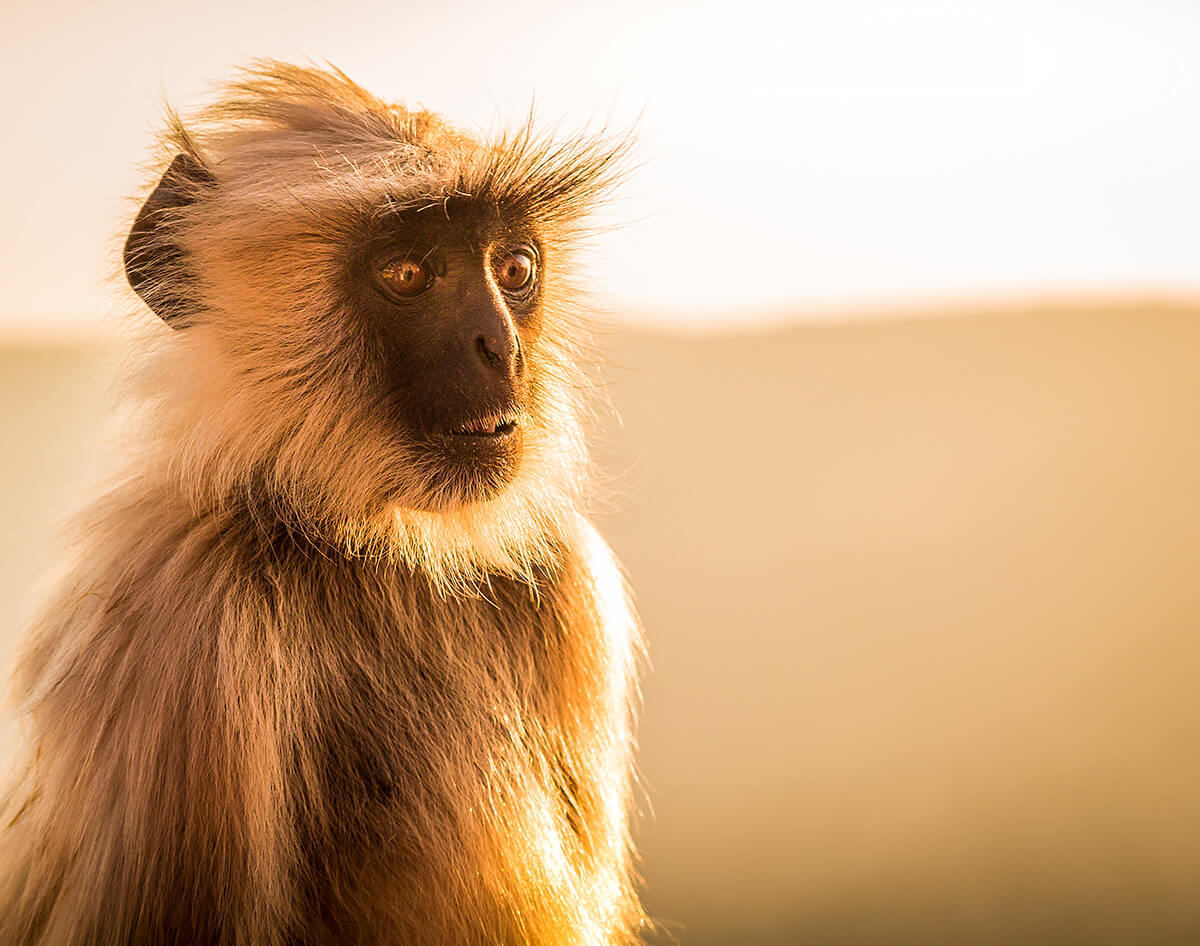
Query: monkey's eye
(516, 269)
(406, 277)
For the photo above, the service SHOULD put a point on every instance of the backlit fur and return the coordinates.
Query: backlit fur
(289, 692)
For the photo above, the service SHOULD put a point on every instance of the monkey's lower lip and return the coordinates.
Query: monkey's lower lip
(488, 428)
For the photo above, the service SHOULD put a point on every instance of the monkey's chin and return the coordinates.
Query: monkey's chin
(465, 469)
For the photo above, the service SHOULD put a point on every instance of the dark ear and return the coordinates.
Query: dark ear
(155, 263)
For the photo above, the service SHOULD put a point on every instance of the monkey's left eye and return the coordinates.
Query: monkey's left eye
(516, 269)
(406, 277)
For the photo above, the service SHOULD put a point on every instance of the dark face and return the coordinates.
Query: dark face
(448, 301)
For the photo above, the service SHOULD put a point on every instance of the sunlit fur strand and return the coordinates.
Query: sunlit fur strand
(244, 583)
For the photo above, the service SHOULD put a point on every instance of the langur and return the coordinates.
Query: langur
(340, 659)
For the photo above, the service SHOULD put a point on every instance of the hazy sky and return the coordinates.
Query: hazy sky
(796, 155)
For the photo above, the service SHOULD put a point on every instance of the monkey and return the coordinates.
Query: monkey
(340, 657)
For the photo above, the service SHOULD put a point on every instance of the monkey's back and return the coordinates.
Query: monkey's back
(243, 737)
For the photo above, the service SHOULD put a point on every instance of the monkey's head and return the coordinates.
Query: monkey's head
(377, 331)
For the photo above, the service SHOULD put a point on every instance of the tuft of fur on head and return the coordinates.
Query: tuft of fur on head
(262, 403)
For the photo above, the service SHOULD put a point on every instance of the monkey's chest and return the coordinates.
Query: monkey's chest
(424, 757)
(406, 745)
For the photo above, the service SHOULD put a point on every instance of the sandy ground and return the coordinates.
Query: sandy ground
(924, 613)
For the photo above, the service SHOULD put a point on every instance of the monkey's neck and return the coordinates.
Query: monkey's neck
(443, 549)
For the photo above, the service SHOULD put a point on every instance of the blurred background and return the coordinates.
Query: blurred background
(903, 352)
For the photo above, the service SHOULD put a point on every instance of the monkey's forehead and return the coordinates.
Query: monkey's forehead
(533, 178)
(280, 131)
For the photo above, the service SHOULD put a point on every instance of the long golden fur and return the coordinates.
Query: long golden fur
(291, 692)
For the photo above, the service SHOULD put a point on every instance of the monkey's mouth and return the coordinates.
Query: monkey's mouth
(492, 427)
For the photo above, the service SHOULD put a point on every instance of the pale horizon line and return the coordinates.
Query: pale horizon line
(90, 329)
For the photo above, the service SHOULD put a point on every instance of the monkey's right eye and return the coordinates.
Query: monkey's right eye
(406, 277)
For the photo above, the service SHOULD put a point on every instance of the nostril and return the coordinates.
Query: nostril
(490, 356)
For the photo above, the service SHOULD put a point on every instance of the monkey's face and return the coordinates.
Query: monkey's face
(451, 302)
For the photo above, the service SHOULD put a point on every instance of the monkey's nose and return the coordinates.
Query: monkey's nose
(501, 351)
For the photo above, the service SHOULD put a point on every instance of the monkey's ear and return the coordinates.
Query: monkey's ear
(155, 263)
